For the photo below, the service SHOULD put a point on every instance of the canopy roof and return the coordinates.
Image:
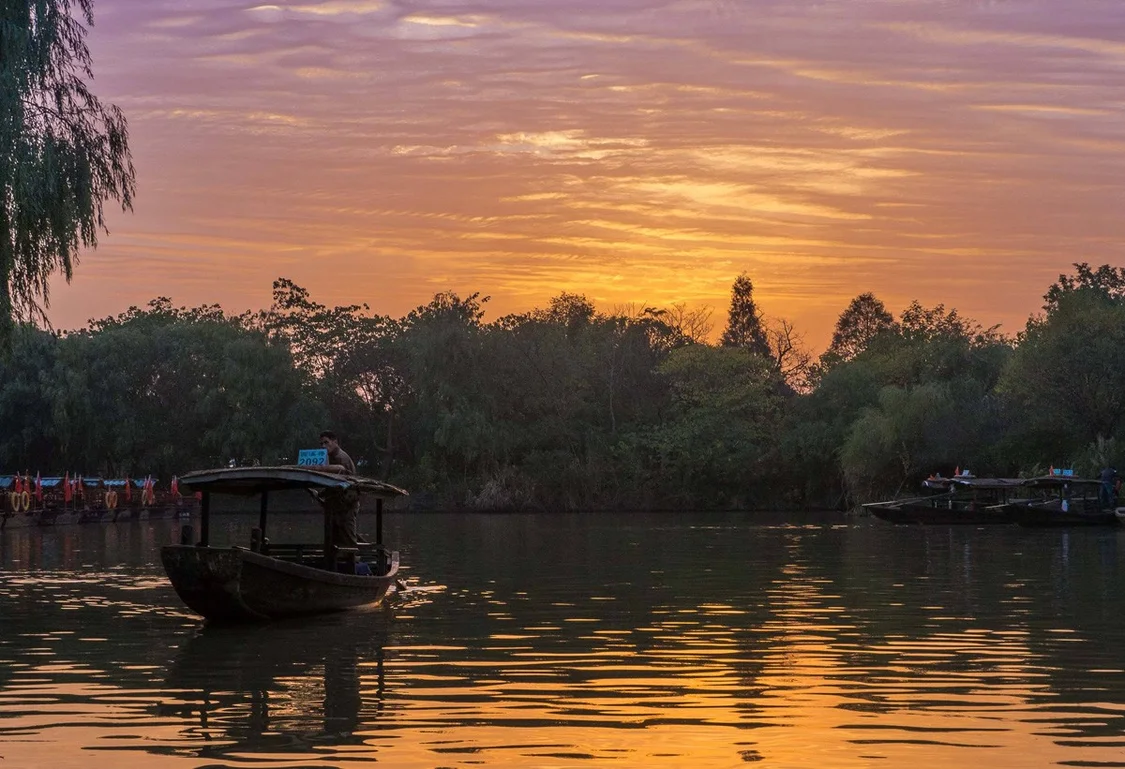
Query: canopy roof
(1058, 481)
(255, 480)
(988, 483)
(7, 481)
(972, 482)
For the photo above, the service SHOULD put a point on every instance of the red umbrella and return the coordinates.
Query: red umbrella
(67, 490)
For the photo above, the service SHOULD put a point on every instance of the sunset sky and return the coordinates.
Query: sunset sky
(961, 151)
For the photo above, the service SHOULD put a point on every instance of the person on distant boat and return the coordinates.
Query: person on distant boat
(338, 459)
(1108, 488)
(341, 506)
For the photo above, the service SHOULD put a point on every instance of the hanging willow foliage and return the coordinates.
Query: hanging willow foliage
(64, 154)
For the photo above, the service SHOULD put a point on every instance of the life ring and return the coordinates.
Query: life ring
(14, 501)
(148, 497)
(25, 500)
(110, 500)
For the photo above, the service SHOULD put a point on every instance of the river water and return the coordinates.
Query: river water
(587, 640)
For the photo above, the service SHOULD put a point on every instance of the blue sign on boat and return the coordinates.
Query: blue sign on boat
(312, 457)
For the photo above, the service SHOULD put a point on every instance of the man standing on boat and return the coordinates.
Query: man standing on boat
(342, 506)
(1108, 487)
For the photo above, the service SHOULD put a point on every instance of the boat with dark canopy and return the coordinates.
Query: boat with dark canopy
(270, 580)
(1062, 500)
(959, 500)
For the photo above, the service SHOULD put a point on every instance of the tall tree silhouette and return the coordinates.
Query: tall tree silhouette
(744, 324)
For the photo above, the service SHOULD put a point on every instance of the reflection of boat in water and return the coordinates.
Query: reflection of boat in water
(281, 686)
(273, 580)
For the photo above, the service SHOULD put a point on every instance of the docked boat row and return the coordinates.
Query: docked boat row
(1045, 501)
(37, 501)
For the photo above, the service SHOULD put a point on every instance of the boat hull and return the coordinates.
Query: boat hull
(61, 516)
(941, 514)
(238, 585)
(1049, 516)
(10, 520)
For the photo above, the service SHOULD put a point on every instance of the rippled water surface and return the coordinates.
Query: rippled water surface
(662, 640)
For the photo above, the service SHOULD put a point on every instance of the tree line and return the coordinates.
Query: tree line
(562, 407)
(568, 407)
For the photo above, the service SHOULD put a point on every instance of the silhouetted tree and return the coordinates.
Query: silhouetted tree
(1067, 377)
(865, 318)
(744, 323)
(1107, 281)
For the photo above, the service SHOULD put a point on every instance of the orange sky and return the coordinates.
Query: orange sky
(964, 151)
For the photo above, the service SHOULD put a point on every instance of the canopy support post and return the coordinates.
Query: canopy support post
(262, 507)
(378, 520)
(205, 522)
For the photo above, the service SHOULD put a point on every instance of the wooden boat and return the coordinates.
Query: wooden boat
(1062, 500)
(960, 500)
(268, 580)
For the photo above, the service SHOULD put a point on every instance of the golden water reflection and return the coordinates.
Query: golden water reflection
(832, 647)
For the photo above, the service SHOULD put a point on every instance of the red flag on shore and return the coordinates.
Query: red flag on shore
(67, 490)
(80, 488)
(175, 488)
(128, 489)
(19, 484)
(38, 487)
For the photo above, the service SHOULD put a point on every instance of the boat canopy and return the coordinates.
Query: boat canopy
(257, 480)
(1059, 481)
(988, 483)
(963, 482)
(8, 481)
